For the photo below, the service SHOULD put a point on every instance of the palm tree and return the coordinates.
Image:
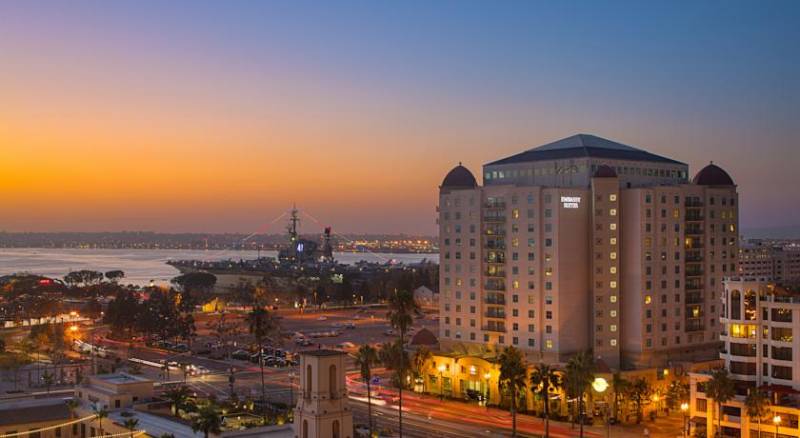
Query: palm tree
(513, 373)
(619, 385)
(48, 379)
(402, 308)
(177, 397)
(262, 325)
(421, 357)
(208, 420)
(545, 379)
(579, 378)
(638, 391)
(757, 404)
(367, 356)
(720, 388)
(72, 405)
(99, 414)
(131, 424)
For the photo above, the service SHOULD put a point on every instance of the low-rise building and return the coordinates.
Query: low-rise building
(114, 391)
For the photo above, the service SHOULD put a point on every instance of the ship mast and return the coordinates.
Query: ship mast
(292, 227)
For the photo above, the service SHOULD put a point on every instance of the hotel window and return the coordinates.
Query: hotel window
(515, 213)
(613, 298)
(612, 241)
(613, 313)
(612, 212)
(613, 255)
(613, 327)
(648, 299)
(613, 284)
(612, 226)
(548, 343)
(612, 197)
(613, 342)
(612, 269)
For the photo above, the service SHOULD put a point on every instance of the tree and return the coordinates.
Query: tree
(48, 378)
(720, 389)
(365, 358)
(579, 377)
(208, 420)
(72, 406)
(115, 276)
(543, 380)
(99, 414)
(402, 309)
(513, 373)
(757, 405)
(177, 397)
(677, 392)
(619, 385)
(422, 356)
(131, 424)
(193, 285)
(262, 326)
(638, 392)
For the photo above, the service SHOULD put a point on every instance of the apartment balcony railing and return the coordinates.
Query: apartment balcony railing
(495, 313)
(494, 217)
(693, 203)
(694, 216)
(499, 328)
(494, 205)
(497, 300)
(694, 298)
(495, 285)
(694, 325)
(496, 258)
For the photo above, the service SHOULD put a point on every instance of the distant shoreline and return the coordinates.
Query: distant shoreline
(221, 249)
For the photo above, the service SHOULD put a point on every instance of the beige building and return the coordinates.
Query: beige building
(114, 391)
(587, 243)
(778, 263)
(322, 410)
(759, 322)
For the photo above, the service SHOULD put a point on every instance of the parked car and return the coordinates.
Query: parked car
(240, 355)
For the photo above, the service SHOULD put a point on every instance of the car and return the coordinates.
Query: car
(240, 355)
(350, 326)
(322, 318)
(389, 332)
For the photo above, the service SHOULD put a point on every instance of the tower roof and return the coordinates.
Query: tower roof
(584, 145)
(459, 178)
(712, 175)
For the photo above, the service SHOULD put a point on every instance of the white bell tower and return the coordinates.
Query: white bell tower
(322, 410)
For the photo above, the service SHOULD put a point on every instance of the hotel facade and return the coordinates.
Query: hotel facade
(586, 243)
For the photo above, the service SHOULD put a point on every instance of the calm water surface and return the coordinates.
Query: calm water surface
(142, 265)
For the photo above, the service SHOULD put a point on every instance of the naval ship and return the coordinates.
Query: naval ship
(299, 257)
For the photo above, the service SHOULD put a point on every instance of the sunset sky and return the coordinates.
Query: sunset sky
(216, 116)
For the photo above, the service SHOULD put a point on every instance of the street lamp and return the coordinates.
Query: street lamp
(441, 381)
(777, 420)
(600, 385)
(655, 400)
(684, 409)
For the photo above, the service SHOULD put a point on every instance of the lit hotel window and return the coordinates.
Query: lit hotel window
(613, 327)
(613, 298)
(613, 284)
(613, 255)
(612, 241)
(548, 344)
(613, 313)
(648, 299)
(612, 197)
(613, 342)
(612, 212)
(612, 269)
(612, 226)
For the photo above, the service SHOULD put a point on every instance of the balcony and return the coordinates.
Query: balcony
(495, 257)
(694, 325)
(693, 203)
(694, 216)
(497, 328)
(495, 205)
(495, 313)
(496, 300)
(494, 217)
(694, 298)
(694, 257)
(495, 273)
(495, 244)
(496, 285)
(694, 272)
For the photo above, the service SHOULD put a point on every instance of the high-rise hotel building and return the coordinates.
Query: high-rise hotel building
(586, 243)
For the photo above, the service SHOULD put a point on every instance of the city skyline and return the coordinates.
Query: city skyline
(197, 117)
